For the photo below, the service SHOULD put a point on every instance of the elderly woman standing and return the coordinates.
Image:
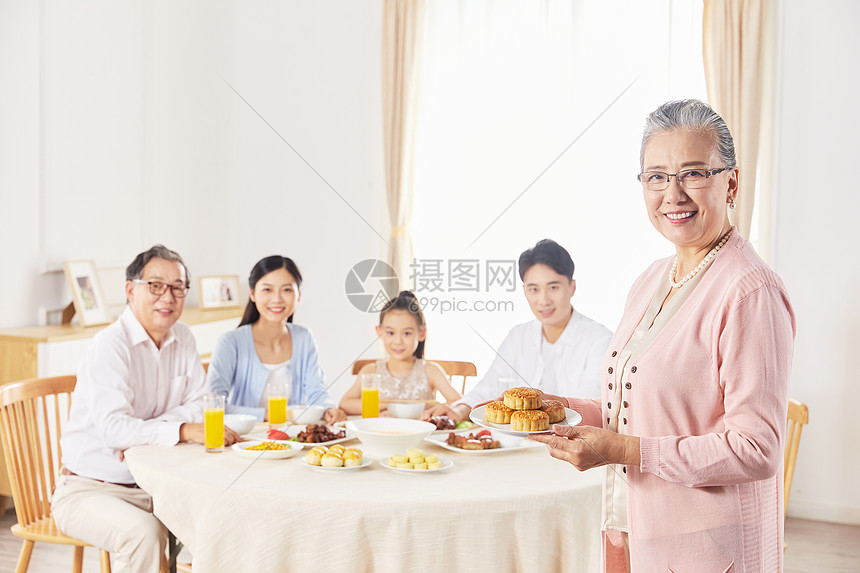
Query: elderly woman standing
(695, 383)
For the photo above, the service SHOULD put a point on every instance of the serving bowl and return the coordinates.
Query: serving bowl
(304, 414)
(383, 437)
(406, 409)
(240, 423)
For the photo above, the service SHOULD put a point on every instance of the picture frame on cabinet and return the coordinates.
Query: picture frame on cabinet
(87, 295)
(219, 291)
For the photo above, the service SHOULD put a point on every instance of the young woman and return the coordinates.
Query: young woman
(268, 346)
(405, 374)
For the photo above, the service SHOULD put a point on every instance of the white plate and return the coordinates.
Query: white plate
(509, 443)
(445, 433)
(294, 430)
(293, 449)
(446, 463)
(365, 461)
(477, 416)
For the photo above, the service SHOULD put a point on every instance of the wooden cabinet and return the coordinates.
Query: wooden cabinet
(39, 351)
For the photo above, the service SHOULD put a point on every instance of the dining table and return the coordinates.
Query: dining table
(516, 509)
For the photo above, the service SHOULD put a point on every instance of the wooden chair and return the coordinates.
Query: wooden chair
(31, 421)
(451, 367)
(798, 416)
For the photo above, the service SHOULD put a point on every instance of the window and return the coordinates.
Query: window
(532, 114)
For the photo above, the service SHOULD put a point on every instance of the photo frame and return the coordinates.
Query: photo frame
(87, 295)
(219, 291)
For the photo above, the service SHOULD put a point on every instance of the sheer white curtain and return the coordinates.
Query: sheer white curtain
(531, 121)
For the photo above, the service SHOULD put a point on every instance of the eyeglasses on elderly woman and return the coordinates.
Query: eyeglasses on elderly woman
(688, 178)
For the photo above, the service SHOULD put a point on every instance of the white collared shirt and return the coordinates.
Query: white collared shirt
(574, 372)
(131, 393)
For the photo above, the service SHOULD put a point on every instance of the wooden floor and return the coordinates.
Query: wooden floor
(813, 547)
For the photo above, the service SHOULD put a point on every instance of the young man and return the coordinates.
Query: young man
(559, 352)
(140, 382)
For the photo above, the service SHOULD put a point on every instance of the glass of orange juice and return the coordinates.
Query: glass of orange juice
(213, 422)
(370, 395)
(278, 394)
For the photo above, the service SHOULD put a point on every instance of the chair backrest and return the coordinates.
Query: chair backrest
(798, 416)
(451, 367)
(32, 415)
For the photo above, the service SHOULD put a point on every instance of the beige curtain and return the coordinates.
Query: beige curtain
(733, 52)
(402, 37)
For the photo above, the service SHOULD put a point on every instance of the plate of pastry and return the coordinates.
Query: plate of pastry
(481, 441)
(335, 458)
(335, 469)
(415, 461)
(522, 412)
(267, 449)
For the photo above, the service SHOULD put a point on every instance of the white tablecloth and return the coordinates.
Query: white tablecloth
(515, 511)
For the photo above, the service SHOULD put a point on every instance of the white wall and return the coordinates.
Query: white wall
(816, 223)
(118, 132)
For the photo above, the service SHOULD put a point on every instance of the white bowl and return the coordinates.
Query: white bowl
(406, 409)
(240, 423)
(304, 414)
(384, 437)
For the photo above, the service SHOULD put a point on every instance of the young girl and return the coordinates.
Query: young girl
(405, 375)
(268, 346)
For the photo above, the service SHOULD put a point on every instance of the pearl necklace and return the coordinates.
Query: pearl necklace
(708, 258)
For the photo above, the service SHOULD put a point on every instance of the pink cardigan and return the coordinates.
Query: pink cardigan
(708, 399)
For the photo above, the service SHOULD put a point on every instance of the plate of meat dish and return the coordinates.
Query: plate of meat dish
(482, 442)
(445, 425)
(310, 435)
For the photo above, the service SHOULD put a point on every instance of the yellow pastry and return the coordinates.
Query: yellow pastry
(498, 413)
(554, 409)
(530, 421)
(522, 398)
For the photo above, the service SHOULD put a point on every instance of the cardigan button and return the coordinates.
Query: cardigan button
(610, 385)
(610, 369)
(607, 421)
(625, 404)
(625, 421)
(614, 353)
(633, 370)
(609, 405)
(628, 385)
(624, 469)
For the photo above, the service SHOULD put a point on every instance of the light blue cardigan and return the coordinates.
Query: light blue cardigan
(236, 370)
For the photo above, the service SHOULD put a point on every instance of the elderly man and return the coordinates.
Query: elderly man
(140, 382)
(559, 351)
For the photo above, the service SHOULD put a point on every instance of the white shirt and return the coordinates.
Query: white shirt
(573, 372)
(277, 373)
(131, 393)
